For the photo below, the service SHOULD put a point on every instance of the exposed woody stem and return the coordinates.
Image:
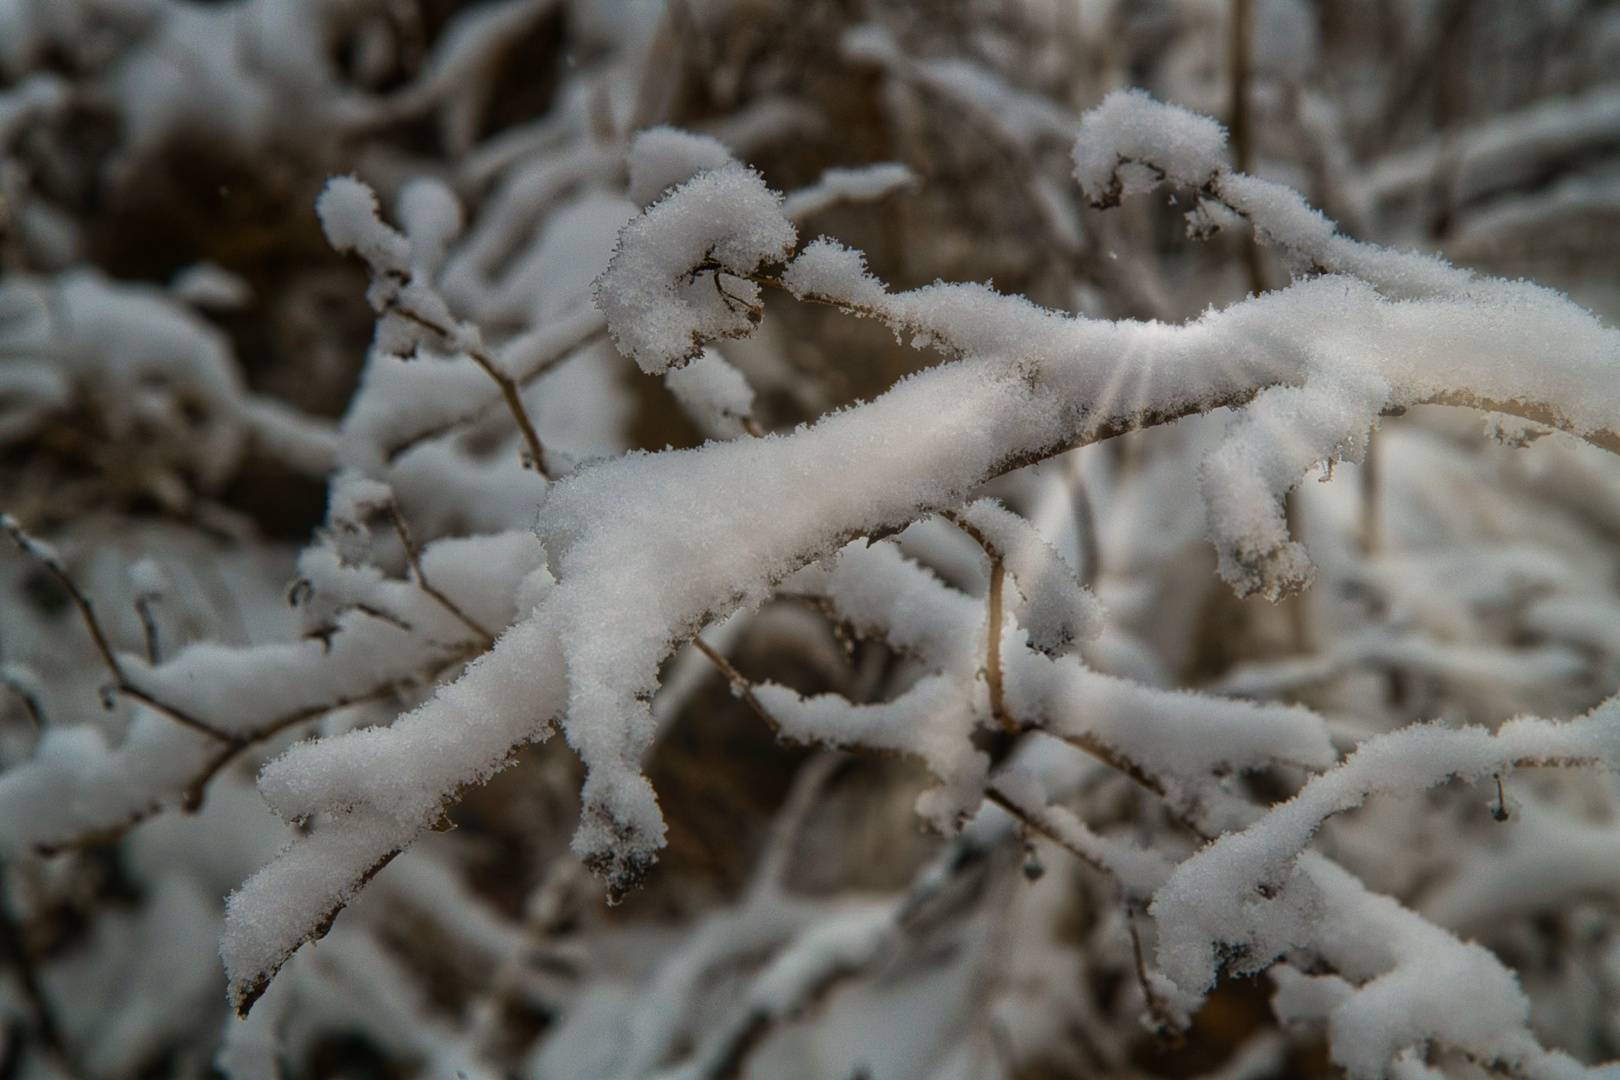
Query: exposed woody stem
(1033, 822)
(403, 531)
(994, 673)
(1371, 525)
(511, 391)
(1534, 411)
(149, 628)
(532, 372)
(740, 684)
(48, 559)
(1156, 1004)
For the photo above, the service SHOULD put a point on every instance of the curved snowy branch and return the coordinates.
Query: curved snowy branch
(712, 530)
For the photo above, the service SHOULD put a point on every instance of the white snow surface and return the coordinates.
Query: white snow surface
(678, 277)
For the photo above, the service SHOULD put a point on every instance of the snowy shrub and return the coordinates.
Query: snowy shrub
(987, 579)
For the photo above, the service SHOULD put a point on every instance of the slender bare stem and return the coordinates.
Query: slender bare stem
(30, 700)
(511, 392)
(1371, 526)
(1156, 1004)
(52, 563)
(740, 685)
(994, 674)
(149, 628)
(403, 531)
(529, 375)
(1035, 823)
(514, 402)
(192, 797)
(47, 558)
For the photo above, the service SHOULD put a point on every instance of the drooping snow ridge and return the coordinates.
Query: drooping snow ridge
(294, 898)
(1130, 142)
(1404, 984)
(1333, 350)
(1179, 742)
(677, 278)
(881, 591)
(933, 721)
(461, 737)
(1269, 445)
(1238, 895)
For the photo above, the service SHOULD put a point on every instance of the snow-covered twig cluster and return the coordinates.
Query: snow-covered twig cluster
(997, 569)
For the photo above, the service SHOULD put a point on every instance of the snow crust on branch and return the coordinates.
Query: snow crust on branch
(587, 583)
(647, 549)
(679, 276)
(1130, 143)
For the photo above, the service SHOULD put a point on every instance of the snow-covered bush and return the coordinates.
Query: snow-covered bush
(1314, 776)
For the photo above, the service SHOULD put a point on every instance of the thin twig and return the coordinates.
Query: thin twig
(1034, 822)
(412, 558)
(1240, 122)
(740, 685)
(1101, 429)
(514, 402)
(554, 357)
(47, 557)
(149, 628)
(511, 392)
(994, 674)
(1371, 526)
(178, 715)
(1156, 1004)
(26, 695)
(191, 798)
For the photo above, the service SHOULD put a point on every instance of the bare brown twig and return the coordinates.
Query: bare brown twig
(403, 531)
(47, 557)
(1157, 1006)
(1035, 823)
(740, 685)
(511, 391)
(149, 628)
(548, 362)
(30, 701)
(994, 674)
